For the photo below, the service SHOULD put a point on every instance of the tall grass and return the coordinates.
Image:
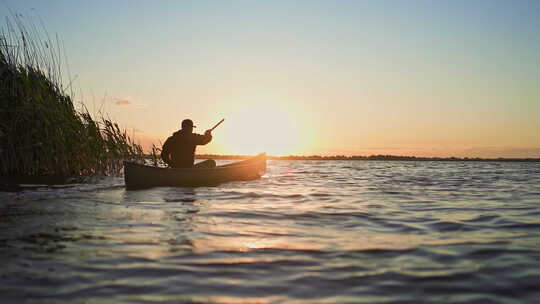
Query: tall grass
(41, 132)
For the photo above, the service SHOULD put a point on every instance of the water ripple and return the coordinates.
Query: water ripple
(309, 231)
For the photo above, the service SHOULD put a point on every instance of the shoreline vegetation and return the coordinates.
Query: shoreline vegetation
(42, 134)
(371, 158)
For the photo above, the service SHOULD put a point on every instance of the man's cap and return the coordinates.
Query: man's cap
(187, 123)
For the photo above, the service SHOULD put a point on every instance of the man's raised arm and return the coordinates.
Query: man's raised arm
(204, 139)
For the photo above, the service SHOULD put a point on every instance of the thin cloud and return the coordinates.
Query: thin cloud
(122, 102)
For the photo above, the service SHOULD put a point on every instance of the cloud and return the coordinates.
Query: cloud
(122, 102)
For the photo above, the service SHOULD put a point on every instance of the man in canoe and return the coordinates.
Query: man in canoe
(179, 149)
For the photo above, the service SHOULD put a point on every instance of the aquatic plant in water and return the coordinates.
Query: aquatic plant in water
(41, 132)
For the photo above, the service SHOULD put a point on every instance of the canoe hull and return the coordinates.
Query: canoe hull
(139, 176)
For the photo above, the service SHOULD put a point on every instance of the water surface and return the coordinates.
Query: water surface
(308, 231)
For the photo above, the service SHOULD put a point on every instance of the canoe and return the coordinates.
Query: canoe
(139, 176)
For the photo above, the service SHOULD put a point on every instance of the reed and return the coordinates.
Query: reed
(41, 132)
(155, 156)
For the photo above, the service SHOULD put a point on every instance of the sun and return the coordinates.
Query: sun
(260, 128)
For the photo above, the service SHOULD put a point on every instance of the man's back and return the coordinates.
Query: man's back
(179, 149)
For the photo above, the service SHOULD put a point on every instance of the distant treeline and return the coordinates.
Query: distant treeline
(371, 157)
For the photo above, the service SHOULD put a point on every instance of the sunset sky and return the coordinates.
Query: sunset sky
(425, 78)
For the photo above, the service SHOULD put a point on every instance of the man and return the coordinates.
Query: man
(179, 149)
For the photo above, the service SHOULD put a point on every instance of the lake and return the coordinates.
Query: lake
(308, 231)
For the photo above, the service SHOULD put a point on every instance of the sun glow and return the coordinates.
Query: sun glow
(261, 128)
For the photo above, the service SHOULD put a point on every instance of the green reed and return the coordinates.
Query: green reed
(41, 132)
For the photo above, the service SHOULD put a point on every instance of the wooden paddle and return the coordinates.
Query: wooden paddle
(217, 124)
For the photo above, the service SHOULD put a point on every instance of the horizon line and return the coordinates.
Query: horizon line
(369, 157)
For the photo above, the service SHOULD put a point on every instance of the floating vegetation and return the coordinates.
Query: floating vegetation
(41, 132)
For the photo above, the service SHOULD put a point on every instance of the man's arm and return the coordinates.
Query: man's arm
(204, 139)
(165, 153)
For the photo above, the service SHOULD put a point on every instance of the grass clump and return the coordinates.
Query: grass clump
(41, 132)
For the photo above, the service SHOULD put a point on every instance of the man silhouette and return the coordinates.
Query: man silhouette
(179, 149)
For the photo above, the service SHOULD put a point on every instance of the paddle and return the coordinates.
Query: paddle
(217, 124)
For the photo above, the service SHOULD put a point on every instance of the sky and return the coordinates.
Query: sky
(424, 78)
